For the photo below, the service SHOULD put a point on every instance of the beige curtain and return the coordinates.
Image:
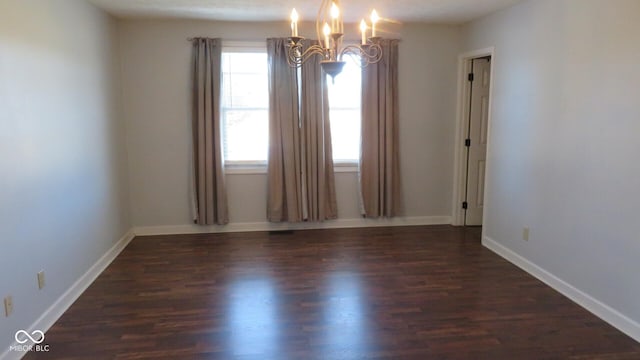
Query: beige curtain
(209, 193)
(285, 188)
(379, 169)
(300, 175)
(318, 174)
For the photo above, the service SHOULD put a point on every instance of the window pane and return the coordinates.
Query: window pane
(246, 90)
(239, 62)
(345, 134)
(245, 100)
(345, 92)
(344, 101)
(246, 134)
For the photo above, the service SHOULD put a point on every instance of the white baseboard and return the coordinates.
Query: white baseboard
(598, 308)
(267, 226)
(55, 311)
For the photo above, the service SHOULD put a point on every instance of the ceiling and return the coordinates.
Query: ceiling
(434, 11)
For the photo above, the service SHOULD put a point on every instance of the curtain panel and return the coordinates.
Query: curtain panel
(379, 168)
(300, 174)
(316, 135)
(284, 173)
(209, 195)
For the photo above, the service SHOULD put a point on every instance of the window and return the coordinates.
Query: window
(344, 102)
(245, 105)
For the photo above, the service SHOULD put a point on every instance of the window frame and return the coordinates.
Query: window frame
(260, 166)
(347, 165)
(245, 166)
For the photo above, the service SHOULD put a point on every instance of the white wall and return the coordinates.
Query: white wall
(564, 142)
(156, 76)
(62, 151)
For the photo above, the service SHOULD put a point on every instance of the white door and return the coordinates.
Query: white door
(477, 139)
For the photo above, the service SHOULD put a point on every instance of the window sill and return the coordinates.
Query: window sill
(341, 167)
(257, 169)
(245, 169)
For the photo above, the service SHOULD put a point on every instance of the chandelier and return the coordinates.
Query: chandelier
(330, 25)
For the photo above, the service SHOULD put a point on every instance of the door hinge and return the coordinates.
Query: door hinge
(470, 77)
(465, 205)
(467, 142)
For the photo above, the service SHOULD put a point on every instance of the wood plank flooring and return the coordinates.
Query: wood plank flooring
(379, 293)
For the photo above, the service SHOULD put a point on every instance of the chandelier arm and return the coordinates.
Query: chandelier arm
(369, 54)
(297, 57)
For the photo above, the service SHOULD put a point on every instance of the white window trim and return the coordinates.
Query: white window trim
(260, 167)
(345, 166)
(255, 168)
(243, 166)
(244, 46)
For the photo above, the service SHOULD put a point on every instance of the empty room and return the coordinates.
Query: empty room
(318, 179)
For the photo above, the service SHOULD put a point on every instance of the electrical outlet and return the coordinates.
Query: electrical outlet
(8, 305)
(525, 234)
(41, 279)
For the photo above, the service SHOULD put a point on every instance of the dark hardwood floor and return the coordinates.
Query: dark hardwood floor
(393, 293)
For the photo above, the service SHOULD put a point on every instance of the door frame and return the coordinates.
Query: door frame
(462, 116)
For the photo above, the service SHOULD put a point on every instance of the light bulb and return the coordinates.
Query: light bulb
(374, 16)
(335, 11)
(363, 26)
(374, 20)
(327, 31)
(294, 22)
